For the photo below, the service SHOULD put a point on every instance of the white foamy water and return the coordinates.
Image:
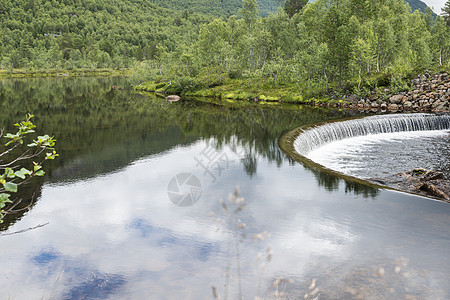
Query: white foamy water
(382, 154)
(316, 137)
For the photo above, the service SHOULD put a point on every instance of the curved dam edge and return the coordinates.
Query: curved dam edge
(286, 143)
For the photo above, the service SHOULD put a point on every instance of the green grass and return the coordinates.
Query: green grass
(250, 89)
(259, 90)
(265, 90)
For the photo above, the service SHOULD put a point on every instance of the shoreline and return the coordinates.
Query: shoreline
(426, 93)
(19, 73)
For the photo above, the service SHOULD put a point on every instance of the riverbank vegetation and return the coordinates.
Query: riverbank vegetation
(227, 49)
(38, 34)
(79, 72)
(325, 48)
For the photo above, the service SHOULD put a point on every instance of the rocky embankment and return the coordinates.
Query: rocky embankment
(428, 93)
(419, 181)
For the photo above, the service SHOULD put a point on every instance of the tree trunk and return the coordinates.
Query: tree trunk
(188, 70)
(359, 77)
(378, 62)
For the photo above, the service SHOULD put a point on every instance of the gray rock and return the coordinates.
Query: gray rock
(396, 99)
(373, 97)
(392, 107)
(415, 81)
(419, 181)
(443, 106)
(353, 98)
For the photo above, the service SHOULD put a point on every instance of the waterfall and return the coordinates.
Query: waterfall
(315, 137)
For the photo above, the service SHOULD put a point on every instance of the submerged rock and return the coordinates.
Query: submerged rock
(419, 181)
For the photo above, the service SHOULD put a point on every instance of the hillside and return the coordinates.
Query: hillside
(38, 34)
(94, 33)
(231, 7)
(217, 7)
(417, 4)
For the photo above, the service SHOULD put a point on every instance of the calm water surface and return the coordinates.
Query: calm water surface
(113, 232)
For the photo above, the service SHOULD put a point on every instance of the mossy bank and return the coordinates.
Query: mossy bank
(426, 92)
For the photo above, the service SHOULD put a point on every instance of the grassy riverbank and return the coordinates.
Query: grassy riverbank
(18, 73)
(254, 89)
(418, 92)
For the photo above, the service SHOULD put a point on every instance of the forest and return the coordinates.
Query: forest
(314, 47)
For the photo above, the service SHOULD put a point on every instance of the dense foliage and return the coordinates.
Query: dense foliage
(341, 44)
(231, 7)
(446, 12)
(217, 7)
(91, 34)
(40, 34)
(326, 43)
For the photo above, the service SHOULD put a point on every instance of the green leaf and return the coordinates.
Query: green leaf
(9, 173)
(52, 155)
(39, 173)
(5, 198)
(11, 136)
(10, 187)
(22, 173)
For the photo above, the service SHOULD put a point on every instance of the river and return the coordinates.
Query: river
(138, 206)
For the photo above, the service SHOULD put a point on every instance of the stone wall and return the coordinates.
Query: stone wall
(428, 93)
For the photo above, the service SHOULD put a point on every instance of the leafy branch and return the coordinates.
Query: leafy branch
(12, 173)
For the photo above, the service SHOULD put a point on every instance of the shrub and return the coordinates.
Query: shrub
(213, 76)
(182, 85)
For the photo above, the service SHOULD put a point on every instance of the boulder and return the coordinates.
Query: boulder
(443, 106)
(407, 105)
(396, 99)
(353, 98)
(373, 97)
(173, 98)
(415, 81)
(392, 107)
(419, 181)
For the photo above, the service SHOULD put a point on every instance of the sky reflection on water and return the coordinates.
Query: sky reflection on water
(118, 235)
(113, 232)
